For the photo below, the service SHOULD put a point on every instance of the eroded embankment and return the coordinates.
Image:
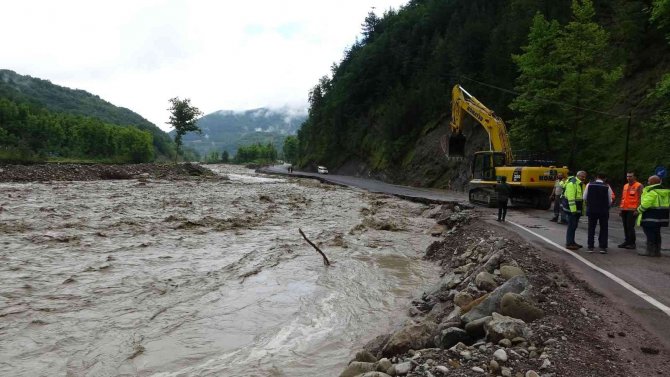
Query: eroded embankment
(500, 309)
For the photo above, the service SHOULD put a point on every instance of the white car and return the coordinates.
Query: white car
(322, 170)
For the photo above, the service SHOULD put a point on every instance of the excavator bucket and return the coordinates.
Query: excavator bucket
(456, 146)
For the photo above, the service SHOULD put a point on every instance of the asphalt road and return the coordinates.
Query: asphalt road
(651, 276)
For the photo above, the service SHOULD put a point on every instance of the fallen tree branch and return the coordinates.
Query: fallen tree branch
(325, 259)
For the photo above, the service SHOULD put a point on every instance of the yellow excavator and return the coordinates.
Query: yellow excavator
(531, 182)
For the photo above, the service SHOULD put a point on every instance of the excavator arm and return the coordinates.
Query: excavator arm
(463, 102)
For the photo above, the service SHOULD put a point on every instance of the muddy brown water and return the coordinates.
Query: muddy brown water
(192, 278)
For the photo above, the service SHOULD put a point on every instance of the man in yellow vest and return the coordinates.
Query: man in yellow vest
(654, 213)
(556, 197)
(573, 205)
(630, 200)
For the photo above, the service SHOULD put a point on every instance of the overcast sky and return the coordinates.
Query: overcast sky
(224, 55)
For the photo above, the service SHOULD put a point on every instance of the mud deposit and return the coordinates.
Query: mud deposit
(201, 277)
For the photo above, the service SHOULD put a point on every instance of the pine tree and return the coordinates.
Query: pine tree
(586, 83)
(536, 126)
(565, 74)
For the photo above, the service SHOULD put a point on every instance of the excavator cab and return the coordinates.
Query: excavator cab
(484, 165)
(456, 145)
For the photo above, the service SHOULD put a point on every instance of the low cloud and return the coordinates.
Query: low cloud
(138, 54)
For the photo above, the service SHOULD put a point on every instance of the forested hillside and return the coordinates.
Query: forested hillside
(32, 133)
(57, 99)
(565, 76)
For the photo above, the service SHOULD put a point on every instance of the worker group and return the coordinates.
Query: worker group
(648, 207)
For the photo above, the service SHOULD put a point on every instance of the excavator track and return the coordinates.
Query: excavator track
(487, 197)
(483, 196)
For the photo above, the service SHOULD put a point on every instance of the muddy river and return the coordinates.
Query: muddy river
(193, 278)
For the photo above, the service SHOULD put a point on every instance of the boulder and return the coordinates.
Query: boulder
(445, 325)
(442, 369)
(376, 345)
(466, 268)
(503, 327)
(452, 336)
(493, 261)
(474, 303)
(383, 365)
(357, 367)
(447, 282)
(505, 342)
(452, 219)
(494, 366)
(491, 304)
(507, 272)
(414, 336)
(375, 374)
(437, 230)
(476, 328)
(401, 369)
(517, 306)
(462, 298)
(365, 356)
(453, 316)
(485, 281)
(433, 212)
(500, 355)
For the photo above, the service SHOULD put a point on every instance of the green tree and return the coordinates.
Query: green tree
(587, 78)
(183, 118)
(559, 90)
(660, 13)
(257, 153)
(212, 157)
(291, 149)
(371, 22)
(538, 122)
(225, 157)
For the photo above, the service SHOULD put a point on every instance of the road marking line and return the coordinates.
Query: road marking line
(665, 309)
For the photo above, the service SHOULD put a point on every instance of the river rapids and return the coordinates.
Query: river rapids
(201, 277)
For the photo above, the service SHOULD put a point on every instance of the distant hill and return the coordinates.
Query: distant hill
(226, 130)
(60, 99)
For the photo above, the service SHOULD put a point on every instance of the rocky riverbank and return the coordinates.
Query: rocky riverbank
(94, 172)
(501, 310)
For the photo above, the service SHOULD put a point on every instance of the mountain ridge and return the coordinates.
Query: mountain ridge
(228, 129)
(61, 99)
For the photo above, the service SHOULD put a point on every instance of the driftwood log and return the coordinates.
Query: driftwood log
(325, 259)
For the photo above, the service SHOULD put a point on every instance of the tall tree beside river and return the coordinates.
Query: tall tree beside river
(183, 117)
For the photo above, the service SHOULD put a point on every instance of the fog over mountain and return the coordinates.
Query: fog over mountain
(228, 129)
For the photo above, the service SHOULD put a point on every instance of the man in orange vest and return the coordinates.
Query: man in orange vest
(630, 200)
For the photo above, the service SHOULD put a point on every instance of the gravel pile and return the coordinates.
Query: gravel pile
(92, 172)
(501, 310)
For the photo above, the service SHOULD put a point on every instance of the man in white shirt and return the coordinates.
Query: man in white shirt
(598, 199)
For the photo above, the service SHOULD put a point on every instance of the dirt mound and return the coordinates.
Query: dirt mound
(94, 172)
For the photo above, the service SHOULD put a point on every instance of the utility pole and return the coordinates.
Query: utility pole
(625, 156)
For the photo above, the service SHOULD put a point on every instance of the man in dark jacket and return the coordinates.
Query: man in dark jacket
(598, 198)
(502, 192)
